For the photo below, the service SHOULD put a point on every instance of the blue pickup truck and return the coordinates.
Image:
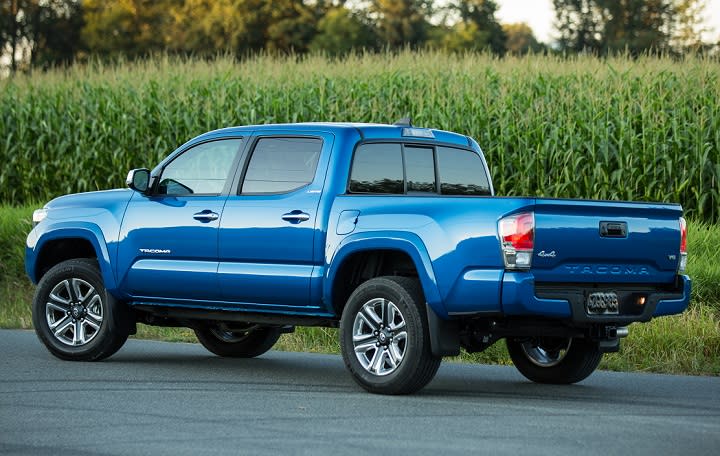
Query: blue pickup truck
(390, 232)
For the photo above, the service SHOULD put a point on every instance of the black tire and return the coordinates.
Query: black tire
(99, 323)
(233, 343)
(551, 365)
(417, 366)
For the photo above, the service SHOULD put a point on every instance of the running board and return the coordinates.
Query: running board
(178, 316)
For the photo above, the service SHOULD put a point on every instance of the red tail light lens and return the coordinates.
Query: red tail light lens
(517, 235)
(518, 231)
(682, 264)
(683, 235)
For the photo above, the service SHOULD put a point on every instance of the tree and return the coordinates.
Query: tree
(689, 26)
(211, 26)
(39, 31)
(637, 26)
(463, 36)
(520, 39)
(292, 24)
(478, 28)
(579, 23)
(341, 30)
(57, 33)
(481, 13)
(11, 29)
(128, 27)
(243, 26)
(602, 26)
(401, 22)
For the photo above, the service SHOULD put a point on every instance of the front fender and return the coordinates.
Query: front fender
(406, 242)
(90, 232)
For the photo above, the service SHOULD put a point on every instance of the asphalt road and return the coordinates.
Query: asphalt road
(177, 399)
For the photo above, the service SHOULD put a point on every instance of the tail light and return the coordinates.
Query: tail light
(517, 237)
(683, 245)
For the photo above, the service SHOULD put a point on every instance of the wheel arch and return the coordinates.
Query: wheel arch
(339, 282)
(62, 244)
(407, 244)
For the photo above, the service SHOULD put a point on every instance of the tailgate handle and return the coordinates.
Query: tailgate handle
(613, 229)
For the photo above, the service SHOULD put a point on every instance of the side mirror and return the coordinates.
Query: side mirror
(138, 179)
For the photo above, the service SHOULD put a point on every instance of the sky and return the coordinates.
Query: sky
(539, 15)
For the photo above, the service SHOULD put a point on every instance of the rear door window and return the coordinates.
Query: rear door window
(377, 168)
(281, 165)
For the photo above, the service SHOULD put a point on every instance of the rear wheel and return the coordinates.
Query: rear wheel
(384, 336)
(75, 317)
(554, 360)
(238, 340)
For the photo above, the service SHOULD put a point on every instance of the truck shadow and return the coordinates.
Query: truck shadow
(319, 372)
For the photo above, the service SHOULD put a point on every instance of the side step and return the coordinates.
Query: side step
(182, 316)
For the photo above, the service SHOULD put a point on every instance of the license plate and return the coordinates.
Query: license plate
(602, 303)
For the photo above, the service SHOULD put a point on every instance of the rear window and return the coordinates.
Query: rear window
(461, 172)
(393, 168)
(420, 169)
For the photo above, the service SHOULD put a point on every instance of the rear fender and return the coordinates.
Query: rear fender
(408, 243)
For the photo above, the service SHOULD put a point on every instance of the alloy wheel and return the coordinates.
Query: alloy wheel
(379, 337)
(74, 312)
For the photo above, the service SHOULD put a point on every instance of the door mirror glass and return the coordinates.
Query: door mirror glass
(138, 179)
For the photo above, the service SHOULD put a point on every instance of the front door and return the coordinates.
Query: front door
(169, 239)
(268, 229)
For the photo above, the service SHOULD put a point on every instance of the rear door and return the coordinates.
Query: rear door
(169, 240)
(268, 229)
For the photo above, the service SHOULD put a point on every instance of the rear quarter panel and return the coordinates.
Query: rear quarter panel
(457, 236)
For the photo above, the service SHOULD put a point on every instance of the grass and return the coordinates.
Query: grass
(614, 128)
(15, 289)
(686, 343)
(681, 344)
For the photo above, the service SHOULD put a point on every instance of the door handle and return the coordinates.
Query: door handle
(206, 216)
(613, 229)
(296, 216)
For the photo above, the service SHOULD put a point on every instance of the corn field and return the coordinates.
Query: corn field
(617, 128)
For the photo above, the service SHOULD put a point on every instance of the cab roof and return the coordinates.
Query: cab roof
(365, 130)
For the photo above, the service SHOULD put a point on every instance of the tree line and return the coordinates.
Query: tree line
(43, 33)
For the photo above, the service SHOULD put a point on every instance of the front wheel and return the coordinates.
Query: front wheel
(554, 360)
(75, 317)
(384, 336)
(238, 340)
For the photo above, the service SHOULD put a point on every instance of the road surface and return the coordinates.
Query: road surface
(177, 399)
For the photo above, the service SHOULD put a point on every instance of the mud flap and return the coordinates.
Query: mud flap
(444, 335)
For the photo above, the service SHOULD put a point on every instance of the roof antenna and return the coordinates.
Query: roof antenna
(404, 122)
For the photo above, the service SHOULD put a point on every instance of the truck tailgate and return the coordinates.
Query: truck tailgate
(606, 241)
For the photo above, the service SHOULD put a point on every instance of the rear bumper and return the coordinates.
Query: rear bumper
(522, 297)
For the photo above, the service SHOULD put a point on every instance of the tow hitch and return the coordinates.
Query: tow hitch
(611, 342)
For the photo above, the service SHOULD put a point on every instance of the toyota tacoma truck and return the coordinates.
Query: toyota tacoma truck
(392, 233)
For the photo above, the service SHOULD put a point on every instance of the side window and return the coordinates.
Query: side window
(201, 170)
(280, 165)
(377, 168)
(420, 169)
(461, 172)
